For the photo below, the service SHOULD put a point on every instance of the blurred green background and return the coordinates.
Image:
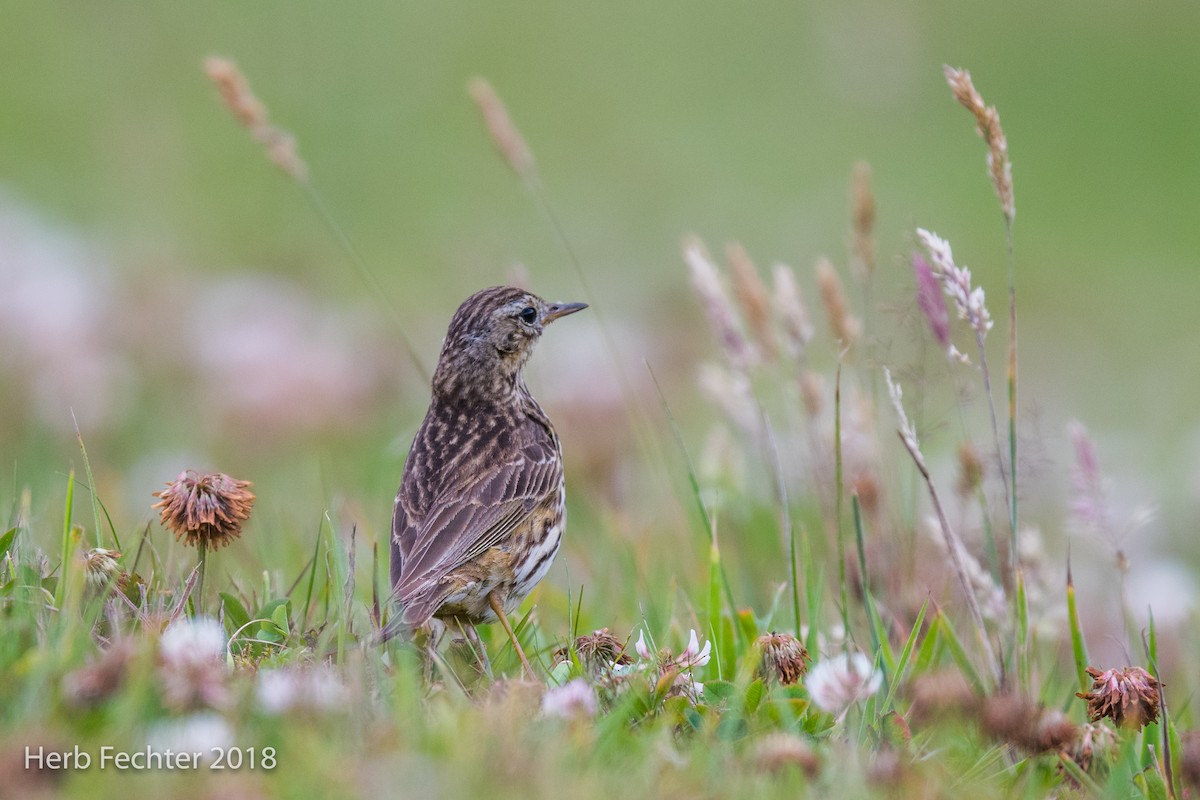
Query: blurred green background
(735, 121)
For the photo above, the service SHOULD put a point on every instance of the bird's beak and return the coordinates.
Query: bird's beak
(557, 310)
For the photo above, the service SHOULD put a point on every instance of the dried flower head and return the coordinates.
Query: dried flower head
(1129, 696)
(206, 509)
(776, 752)
(572, 700)
(505, 136)
(784, 658)
(844, 325)
(101, 678)
(706, 280)
(251, 114)
(956, 283)
(599, 651)
(101, 566)
(752, 294)
(1096, 746)
(987, 124)
(940, 694)
(676, 673)
(838, 682)
(1027, 725)
(862, 222)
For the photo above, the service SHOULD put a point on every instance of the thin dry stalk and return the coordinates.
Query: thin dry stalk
(844, 325)
(987, 124)
(752, 294)
(251, 114)
(908, 437)
(503, 131)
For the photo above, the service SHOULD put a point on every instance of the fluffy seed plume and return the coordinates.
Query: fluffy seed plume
(706, 281)
(206, 509)
(844, 325)
(790, 308)
(501, 128)
(251, 114)
(956, 283)
(987, 124)
(1129, 696)
(784, 659)
(753, 296)
(862, 222)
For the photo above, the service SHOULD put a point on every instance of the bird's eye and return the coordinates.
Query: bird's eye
(528, 315)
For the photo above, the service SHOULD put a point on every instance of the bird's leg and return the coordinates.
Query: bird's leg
(494, 601)
(473, 636)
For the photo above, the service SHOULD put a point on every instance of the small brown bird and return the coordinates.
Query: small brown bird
(481, 508)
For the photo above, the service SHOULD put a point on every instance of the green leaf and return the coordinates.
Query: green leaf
(6, 541)
(754, 695)
(280, 618)
(235, 613)
(717, 692)
(731, 728)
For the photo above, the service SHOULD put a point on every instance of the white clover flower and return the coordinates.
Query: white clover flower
(192, 642)
(573, 699)
(198, 733)
(641, 648)
(956, 283)
(838, 682)
(283, 689)
(693, 656)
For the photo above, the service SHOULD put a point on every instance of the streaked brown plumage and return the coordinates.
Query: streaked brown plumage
(480, 511)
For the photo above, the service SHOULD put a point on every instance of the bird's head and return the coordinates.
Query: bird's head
(491, 337)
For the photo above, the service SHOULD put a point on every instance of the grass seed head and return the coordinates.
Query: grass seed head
(987, 125)
(862, 222)
(503, 131)
(846, 328)
(251, 113)
(752, 294)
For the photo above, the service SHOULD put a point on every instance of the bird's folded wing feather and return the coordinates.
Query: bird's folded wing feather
(473, 515)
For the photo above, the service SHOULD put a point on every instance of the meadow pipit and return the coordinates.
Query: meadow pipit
(481, 508)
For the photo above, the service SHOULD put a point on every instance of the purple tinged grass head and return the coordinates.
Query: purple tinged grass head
(930, 300)
(956, 283)
(1089, 507)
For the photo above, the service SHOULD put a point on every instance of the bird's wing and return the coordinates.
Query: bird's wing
(475, 513)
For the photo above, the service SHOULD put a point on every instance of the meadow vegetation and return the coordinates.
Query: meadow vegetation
(822, 604)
